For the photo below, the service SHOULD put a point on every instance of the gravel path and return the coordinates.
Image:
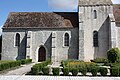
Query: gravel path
(20, 71)
(23, 77)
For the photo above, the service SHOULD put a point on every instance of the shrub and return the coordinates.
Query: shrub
(48, 61)
(81, 66)
(100, 60)
(18, 63)
(113, 55)
(75, 71)
(66, 71)
(119, 70)
(89, 66)
(103, 71)
(107, 64)
(71, 63)
(35, 69)
(28, 61)
(94, 70)
(23, 61)
(5, 66)
(115, 64)
(114, 71)
(14, 63)
(38, 67)
(45, 70)
(9, 64)
(56, 71)
(84, 71)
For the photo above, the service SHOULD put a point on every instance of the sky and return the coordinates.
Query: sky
(7, 6)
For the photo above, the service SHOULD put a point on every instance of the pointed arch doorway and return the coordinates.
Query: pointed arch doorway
(41, 54)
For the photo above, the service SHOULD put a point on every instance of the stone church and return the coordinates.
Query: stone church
(83, 35)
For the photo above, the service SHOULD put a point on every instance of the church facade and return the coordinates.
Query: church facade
(83, 35)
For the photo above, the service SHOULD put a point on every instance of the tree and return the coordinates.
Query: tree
(113, 55)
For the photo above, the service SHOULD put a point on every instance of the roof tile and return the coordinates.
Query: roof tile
(42, 20)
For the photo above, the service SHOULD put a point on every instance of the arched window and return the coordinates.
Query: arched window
(17, 39)
(95, 38)
(95, 14)
(66, 39)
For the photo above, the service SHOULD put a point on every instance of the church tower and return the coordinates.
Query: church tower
(94, 28)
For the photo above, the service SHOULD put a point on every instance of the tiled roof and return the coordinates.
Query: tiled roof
(42, 20)
(116, 11)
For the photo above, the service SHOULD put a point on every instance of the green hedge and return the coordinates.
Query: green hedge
(56, 71)
(14, 63)
(38, 67)
(4, 66)
(75, 71)
(10, 64)
(65, 63)
(94, 70)
(46, 70)
(100, 60)
(83, 67)
(35, 70)
(115, 65)
(65, 71)
(26, 61)
(89, 65)
(103, 71)
(84, 71)
(114, 71)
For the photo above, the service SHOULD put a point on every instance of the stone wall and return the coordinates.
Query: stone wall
(55, 48)
(88, 24)
(40, 37)
(118, 37)
(9, 50)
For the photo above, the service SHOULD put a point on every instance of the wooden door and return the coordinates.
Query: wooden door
(41, 54)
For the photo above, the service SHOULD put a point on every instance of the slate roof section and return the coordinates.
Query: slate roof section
(116, 11)
(42, 20)
(95, 2)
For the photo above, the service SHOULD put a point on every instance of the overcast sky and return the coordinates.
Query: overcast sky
(7, 6)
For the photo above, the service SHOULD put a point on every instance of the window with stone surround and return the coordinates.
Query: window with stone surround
(66, 39)
(95, 38)
(17, 40)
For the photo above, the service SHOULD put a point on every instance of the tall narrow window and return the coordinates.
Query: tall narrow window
(95, 38)
(66, 39)
(17, 40)
(95, 14)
